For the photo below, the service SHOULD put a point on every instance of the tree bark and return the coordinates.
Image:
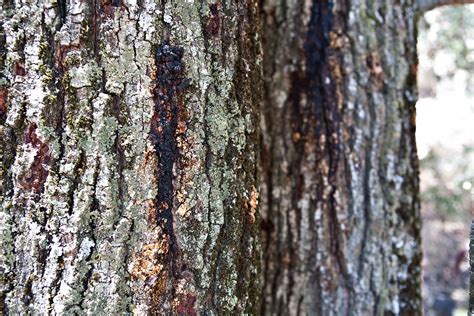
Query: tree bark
(130, 142)
(340, 206)
(426, 5)
(129, 134)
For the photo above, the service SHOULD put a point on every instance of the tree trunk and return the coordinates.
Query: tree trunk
(340, 208)
(129, 134)
(130, 143)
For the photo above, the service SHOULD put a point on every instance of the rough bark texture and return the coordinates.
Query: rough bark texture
(128, 141)
(340, 210)
(129, 136)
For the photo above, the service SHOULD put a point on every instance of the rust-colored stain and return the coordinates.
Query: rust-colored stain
(34, 178)
(186, 305)
(3, 100)
(375, 67)
(413, 118)
(150, 266)
(296, 137)
(148, 262)
(152, 212)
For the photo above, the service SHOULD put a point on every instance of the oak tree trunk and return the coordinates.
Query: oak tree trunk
(130, 147)
(129, 133)
(340, 208)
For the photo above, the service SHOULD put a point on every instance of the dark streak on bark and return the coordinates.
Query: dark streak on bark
(322, 63)
(170, 83)
(62, 9)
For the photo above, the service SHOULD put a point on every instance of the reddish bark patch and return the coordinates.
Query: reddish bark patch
(62, 53)
(19, 69)
(3, 100)
(186, 305)
(213, 24)
(34, 178)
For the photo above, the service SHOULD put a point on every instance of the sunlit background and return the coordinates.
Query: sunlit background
(445, 137)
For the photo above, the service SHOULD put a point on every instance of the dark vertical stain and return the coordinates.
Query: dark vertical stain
(62, 8)
(322, 70)
(170, 83)
(315, 47)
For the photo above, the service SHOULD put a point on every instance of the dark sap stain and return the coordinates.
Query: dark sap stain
(170, 83)
(34, 178)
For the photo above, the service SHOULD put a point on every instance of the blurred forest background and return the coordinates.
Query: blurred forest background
(445, 136)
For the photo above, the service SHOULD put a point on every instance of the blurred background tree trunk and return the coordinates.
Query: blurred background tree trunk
(340, 206)
(471, 262)
(129, 157)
